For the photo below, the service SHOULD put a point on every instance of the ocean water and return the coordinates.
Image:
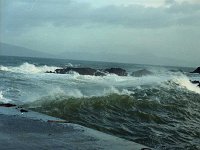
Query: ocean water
(161, 110)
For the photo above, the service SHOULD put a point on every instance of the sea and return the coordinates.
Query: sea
(160, 110)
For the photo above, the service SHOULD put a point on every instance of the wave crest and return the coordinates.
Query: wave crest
(184, 81)
(28, 68)
(3, 99)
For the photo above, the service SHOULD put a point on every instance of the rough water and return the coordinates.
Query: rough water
(161, 110)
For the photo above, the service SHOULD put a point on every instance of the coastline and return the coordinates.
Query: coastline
(32, 130)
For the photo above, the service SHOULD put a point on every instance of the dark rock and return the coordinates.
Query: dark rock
(196, 82)
(81, 71)
(196, 71)
(91, 71)
(141, 73)
(117, 71)
(23, 110)
(99, 73)
(7, 105)
(50, 72)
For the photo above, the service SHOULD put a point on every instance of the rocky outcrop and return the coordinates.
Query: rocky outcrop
(196, 82)
(23, 110)
(141, 73)
(91, 71)
(81, 71)
(7, 105)
(50, 72)
(196, 70)
(117, 71)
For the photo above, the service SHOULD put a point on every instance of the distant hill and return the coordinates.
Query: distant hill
(12, 50)
(138, 58)
(141, 58)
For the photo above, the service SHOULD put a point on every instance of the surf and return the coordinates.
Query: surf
(28, 68)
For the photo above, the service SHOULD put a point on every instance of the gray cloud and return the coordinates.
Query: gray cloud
(19, 15)
(120, 31)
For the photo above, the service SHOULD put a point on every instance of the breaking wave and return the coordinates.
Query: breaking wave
(122, 85)
(163, 106)
(167, 112)
(160, 110)
(3, 99)
(28, 68)
(184, 81)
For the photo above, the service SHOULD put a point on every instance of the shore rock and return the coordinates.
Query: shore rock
(7, 105)
(117, 71)
(196, 82)
(141, 73)
(81, 71)
(196, 70)
(23, 110)
(50, 72)
(91, 71)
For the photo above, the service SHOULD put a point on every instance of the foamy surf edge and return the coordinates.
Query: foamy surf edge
(28, 68)
(3, 99)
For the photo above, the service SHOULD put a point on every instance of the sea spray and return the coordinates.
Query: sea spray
(160, 110)
(131, 117)
(185, 82)
(28, 68)
(3, 99)
(1, 95)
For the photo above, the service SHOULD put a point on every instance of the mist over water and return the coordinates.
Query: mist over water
(160, 110)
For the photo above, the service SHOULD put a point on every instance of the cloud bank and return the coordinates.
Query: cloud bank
(169, 28)
(25, 14)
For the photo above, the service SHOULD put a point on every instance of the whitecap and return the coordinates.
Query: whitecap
(28, 68)
(3, 99)
(184, 81)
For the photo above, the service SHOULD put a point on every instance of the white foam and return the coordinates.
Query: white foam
(114, 90)
(68, 92)
(28, 68)
(184, 81)
(3, 99)
(74, 93)
(1, 95)
(114, 80)
(69, 65)
(78, 93)
(2, 68)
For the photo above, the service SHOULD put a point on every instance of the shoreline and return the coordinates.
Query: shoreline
(32, 130)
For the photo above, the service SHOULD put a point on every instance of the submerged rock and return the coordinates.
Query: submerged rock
(117, 71)
(141, 73)
(196, 70)
(50, 72)
(196, 82)
(7, 105)
(23, 110)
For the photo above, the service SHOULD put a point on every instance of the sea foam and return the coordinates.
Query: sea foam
(184, 81)
(3, 99)
(28, 68)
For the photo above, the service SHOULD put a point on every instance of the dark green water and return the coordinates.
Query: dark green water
(172, 122)
(161, 110)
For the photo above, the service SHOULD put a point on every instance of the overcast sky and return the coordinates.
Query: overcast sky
(154, 28)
